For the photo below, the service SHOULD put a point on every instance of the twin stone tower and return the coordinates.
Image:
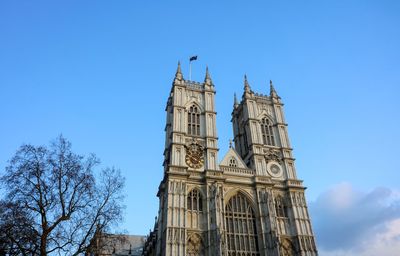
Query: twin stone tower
(252, 202)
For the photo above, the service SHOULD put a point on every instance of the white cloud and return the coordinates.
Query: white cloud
(349, 222)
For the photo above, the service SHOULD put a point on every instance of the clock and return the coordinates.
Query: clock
(194, 155)
(274, 169)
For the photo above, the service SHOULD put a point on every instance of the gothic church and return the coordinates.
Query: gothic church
(251, 203)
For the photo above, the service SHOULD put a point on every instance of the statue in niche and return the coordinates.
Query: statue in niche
(194, 246)
(286, 248)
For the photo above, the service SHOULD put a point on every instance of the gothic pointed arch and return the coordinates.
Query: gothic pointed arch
(193, 119)
(267, 131)
(194, 200)
(196, 102)
(241, 228)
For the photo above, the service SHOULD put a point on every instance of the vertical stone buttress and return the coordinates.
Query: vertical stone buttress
(269, 178)
(283, 215)
(175, 224)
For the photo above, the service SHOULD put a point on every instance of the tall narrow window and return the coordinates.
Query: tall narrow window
(280, 207)
(241, 231)
(194, 121)
(194, 201)
(267, 132)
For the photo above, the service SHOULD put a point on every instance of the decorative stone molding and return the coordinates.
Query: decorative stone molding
(272, 155)
(194, 244)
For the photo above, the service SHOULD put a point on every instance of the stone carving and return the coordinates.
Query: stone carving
(213, 190)
(273, 155)
(237, 213)
(194, 245)
(286, 248)
(271, 211)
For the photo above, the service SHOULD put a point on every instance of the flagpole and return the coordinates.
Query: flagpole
(190, 66)
(190, 70)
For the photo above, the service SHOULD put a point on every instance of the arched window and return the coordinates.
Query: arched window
(194, 201)
(280, 207)
(232, 162)
(267, 133)
(194, 121)
(241, 231)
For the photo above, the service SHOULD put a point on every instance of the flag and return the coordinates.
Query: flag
(193, 58)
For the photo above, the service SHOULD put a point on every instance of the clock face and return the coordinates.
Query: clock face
(274, 169)
(194, 155)
(194, 161)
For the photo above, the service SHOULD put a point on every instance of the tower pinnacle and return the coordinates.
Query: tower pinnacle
(178, 74)
(198, 195)
(272, 91)
(246, 84)
(235, 101)
(207, 79)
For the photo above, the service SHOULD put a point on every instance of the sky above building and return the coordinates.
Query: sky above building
(100, 72)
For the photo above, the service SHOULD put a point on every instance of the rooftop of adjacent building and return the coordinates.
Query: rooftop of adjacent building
(121, 244)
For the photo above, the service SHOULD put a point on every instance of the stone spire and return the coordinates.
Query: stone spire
(235, 101)
(246, 84)
(178, 74)
(207, 79)
(272, 91)
(247, 90)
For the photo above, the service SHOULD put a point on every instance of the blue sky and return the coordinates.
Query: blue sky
(99, 72)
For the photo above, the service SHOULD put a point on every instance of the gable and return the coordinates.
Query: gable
(232, 154)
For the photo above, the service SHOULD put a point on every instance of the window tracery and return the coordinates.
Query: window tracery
(194, 201)
(267, 132)
(241, 231)
(194, 120)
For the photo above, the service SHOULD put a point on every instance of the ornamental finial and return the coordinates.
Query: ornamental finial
(235, 101)
(246, 84)
(178, 74)
(207, 80)
(272, 91)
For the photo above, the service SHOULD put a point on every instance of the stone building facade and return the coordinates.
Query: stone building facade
(103, 244)
(251, 203)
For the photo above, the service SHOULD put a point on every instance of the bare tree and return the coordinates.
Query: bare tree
(59, 202)
(16, 233)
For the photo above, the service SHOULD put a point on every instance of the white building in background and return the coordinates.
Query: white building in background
(252, 202)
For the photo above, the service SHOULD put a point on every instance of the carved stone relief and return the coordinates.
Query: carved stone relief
(272, 155)
(191, 95)
(287, 248)
(194, 245)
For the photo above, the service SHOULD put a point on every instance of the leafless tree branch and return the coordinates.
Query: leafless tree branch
(59, 202)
